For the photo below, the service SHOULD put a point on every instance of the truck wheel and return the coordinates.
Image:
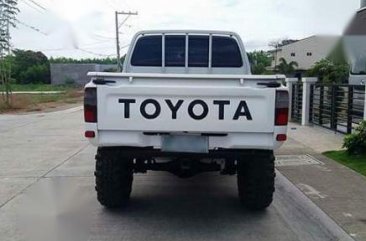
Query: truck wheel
(113, 178)
(256, 175)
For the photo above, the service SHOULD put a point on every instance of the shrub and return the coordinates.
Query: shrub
(69, 81)
(259, 60)
(110, 70)
(29, 67)
(330, 72)
(35, 74)
(356, 142)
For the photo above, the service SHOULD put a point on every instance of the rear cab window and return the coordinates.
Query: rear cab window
(198, 49)
(149, 51)
(225, 53)
(175, 51)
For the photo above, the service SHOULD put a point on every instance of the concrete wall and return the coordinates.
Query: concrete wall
(77, 73)
(307, 51)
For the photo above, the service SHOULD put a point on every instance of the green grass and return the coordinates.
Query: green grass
(39, 87)
(355, 162)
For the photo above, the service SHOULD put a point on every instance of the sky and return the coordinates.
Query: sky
(86, 28)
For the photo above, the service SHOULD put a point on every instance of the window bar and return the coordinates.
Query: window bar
(321, 105)
(210, 53)
(349, 109)
(186, 59)
(163, 52)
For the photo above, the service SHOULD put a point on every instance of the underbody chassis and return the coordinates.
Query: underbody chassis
(185, 165)
(115, 167)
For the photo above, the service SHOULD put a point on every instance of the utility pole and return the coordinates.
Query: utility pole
(119, 64)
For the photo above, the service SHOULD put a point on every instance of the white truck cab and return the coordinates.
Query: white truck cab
(186, 103)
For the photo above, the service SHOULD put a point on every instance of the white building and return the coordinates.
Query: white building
(306, 52)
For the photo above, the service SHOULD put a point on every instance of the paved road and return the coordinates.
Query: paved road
(47, 193)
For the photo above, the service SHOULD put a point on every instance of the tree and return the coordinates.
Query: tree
(338, 54)
(63, 60)
(30, 67)
(286, 68)
(329, 71)
(259, 60)
(8, 13)
(281, 43)
(277, 44)
(334, 68)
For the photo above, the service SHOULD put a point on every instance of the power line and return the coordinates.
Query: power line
(124, 21)
(125, 46)
(91, 48)
(31, 6)
(73, 49)
(90, 52)
(83, 48)
(32, 27)
(99, 42)
(107, 38)
(37, 4)
(51, 50)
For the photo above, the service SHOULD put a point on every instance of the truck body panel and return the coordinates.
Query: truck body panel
(259, 104)
(233, 108)
(186, 103)
(253, 130)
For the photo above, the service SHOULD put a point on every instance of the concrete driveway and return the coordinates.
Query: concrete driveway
(47, 193)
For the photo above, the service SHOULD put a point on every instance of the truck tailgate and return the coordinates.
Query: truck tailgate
(202, 108)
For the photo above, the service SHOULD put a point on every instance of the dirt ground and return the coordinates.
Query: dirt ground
(26, 103)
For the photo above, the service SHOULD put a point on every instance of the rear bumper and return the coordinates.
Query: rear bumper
(148, 152)
(257, 141)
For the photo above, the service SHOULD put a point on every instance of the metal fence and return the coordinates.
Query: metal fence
(337, 107)
(296, 106)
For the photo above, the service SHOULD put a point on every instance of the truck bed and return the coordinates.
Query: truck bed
(220, 106)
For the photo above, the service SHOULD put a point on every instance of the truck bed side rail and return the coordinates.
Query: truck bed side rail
(185, 76)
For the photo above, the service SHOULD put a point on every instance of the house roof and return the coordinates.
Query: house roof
(358, 24)
(326, 40)
(294, 42)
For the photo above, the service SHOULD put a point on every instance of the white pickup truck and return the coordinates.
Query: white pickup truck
(185, 103)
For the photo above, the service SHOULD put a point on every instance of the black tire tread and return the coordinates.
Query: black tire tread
(256, 179)
(113, 177)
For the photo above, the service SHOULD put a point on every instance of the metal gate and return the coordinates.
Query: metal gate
(296, 106)
(337, 107)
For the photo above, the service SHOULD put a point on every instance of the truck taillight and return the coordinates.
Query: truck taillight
(90, 105)
(282, 103)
